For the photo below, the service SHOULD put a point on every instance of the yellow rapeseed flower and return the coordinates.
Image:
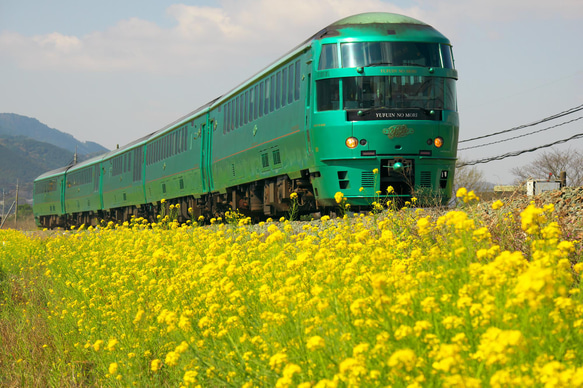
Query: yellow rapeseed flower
(497, 205)
(316, 342)
(112, 368)
(155, 365)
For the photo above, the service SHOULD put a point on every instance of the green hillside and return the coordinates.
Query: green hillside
(29, 148)
(23, 159)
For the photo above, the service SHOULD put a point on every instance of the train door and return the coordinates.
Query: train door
(206, 155)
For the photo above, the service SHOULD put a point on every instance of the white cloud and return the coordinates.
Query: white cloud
(58, 42)
(203, 38)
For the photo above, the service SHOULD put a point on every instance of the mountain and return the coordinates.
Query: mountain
(24, 159)
(16, 125)
(29, 148)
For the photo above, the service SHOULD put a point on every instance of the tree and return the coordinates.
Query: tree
(469, 177)
(553, 162)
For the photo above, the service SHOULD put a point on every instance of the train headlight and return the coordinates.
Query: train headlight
(438, 142)
(351, 142)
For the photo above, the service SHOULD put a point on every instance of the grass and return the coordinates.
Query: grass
(23, 223)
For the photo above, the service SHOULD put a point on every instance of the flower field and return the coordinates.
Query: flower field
(406, 298)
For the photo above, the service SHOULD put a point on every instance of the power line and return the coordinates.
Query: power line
(519, 136)
(516, 153)
(555, 116)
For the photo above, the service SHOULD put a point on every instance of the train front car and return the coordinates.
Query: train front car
(384, 122)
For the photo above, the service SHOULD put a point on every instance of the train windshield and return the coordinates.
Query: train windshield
(363, 54)
(390, 92)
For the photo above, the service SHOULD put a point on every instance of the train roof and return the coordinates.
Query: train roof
(375, 18)
(52, 173)
(383, 24)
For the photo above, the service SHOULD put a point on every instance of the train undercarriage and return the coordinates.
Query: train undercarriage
(258, 200)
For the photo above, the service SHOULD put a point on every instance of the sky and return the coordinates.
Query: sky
(111, 71)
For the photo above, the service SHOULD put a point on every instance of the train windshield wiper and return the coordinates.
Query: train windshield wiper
(413, 64)
(379, 63)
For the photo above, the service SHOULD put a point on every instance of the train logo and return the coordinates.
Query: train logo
(395, 131)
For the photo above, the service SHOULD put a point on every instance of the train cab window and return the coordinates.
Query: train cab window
(328, 57)
(395, 92)
(450, 95)
(328, 94)
(446, 56)
(362, 54)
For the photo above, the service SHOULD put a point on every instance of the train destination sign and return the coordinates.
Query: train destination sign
(392, 114)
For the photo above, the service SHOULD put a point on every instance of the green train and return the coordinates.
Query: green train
(365, 104)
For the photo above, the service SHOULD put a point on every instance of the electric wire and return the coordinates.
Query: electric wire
(516, 153)
(553, 117)
(519, 136)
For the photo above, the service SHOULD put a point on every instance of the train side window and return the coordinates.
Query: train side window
(297, 84)
(251, 103)
(256, 102)
(261, 98)
(233, 111)
(225, 118)
(236, 112)
(290, 84)
(175, 142)
(242, 110)
(278, 90)
(267, 95)
(272, 96)
(230, 124)
(328, 94)
(246, 108)
(328, 57)
(284, 86)
(164, 147)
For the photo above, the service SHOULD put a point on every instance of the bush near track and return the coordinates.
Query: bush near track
(476, 296)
